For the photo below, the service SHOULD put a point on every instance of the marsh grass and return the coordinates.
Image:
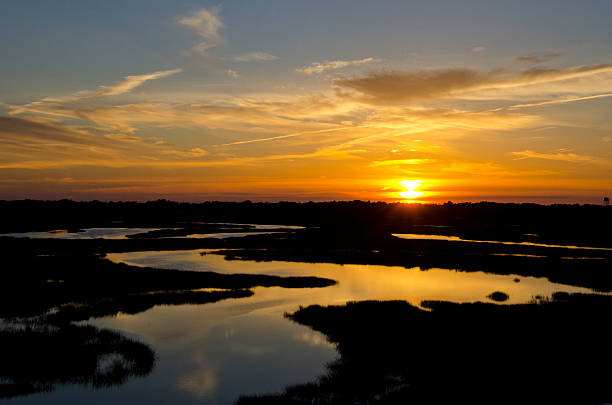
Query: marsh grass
(391, 352)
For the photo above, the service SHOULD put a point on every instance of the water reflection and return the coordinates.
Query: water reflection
(123, 233)
(37, 358)
(223, 235)
(213, 354)
(89, 233)
(358, 282)
(216, 353)
(416, 236)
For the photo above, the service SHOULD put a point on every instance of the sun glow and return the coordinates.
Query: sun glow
(411, 187)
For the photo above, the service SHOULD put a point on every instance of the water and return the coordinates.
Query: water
(418, 236)
(122, 233)
(356, 282)
(89, 233)
(213, 353)
(222, 235)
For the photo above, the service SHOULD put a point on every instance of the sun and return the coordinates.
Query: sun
(411, 187)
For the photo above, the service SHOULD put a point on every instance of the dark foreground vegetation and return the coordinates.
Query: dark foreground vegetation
(348, 233)
(37, 358)
(42, 294)
(575, 224)
(548, 352)
(34, 284)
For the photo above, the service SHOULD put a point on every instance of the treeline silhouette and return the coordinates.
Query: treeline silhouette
(586, 223)
(547, 352)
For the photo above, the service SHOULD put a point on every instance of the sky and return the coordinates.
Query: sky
(413, 101)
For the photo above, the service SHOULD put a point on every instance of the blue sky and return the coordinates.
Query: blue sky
(506, 100)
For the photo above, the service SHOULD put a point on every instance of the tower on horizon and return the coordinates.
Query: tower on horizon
(606, 202)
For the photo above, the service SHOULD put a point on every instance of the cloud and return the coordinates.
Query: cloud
(14, 129)
(231, 73)
(479, 49)
(537, 58)
(275, 138)
(399, 162)
(563, 100)
(206, 23)
(202, 381)
(128, 84)
(190, 153)
(28, 144)
(252, 56)
(561, 155)
(318, 67)
(131, 82)
(390, 87)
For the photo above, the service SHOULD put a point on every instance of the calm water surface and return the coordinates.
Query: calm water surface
(419, 236)
(213, 353)
(89, 233)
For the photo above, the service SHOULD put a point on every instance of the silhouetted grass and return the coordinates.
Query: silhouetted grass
(392, 352)
(37, 359)
(135, 303)
(33, 284)
(498, 296)
(427, 254)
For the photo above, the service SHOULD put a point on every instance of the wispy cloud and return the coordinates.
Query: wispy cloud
(253, 56)
(400, 162)
(391, 87)
(320, 67)
(206, 23)
(291, 135)
(28, 131)
(232, 73)
(479, 49)
(561, 155)
(563, 100)
(128, 84)
(189, 153)
(537, 57)
(28, 144)
(131, 82)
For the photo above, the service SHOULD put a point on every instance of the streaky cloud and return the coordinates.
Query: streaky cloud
(537, 57)
(559, 101)
(560, 155)
(399, 162)
(13, 128)
(253, 56)
(320, 67)
(397, 87)
(275, 138)
(128, 84)
(131, 82)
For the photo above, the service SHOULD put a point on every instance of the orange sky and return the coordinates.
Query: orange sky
(222, 117)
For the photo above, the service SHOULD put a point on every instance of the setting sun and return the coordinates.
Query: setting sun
(219, 110)
(411, 187)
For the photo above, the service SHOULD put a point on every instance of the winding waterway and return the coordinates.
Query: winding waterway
(213, 353)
